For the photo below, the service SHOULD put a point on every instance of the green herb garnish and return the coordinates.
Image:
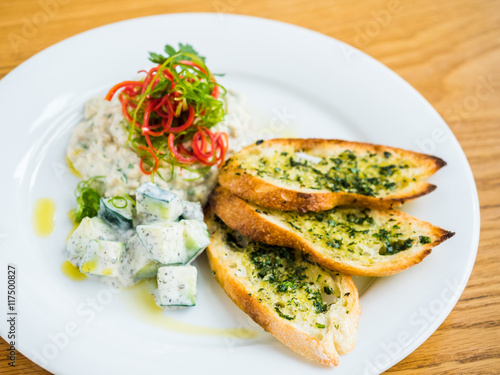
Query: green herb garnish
(284, 316)
(178, 99)
(328, 290)
(424, 240)
(121, 201)
(88, 196)
(373, 175)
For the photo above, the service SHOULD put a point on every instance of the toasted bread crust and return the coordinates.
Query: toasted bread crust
(325, 351)
(240, 216)
(267, 194)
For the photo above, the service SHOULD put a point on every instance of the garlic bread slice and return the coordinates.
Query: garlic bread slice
(319, 174)
(353, 240)
(312, 310)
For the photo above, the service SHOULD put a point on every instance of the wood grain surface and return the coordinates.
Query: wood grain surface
(445, 49)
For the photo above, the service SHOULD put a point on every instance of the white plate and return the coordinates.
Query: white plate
(296, 81)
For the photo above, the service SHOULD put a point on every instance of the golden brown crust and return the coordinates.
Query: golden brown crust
(298, 341)
(267, 194)
(242, 217)
(325, 351)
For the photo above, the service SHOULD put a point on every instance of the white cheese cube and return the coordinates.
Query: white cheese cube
(89, 229)
(164, 241)
(155, 203)
(176, 286)
(102, 258)
(137, 263)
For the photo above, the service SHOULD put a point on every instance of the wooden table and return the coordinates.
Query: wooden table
(445, 49)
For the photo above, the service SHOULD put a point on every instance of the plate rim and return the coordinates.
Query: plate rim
(475, 199)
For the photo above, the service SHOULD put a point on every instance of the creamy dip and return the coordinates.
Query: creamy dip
(98, 148)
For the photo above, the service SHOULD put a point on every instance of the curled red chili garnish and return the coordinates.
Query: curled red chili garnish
(155, 158)
(169, 113)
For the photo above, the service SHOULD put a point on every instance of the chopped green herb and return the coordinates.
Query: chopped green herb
(287, 317)
(346, 172)
(119, 202)
(88, 196)
(123, 177)
(424, 240)
(328, 290)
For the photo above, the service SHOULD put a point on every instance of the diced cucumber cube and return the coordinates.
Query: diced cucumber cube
(89, 229)
(176, 286)
(117, 211)
(192, 211)
(155, 203)
(174, 243)
(137, 263)
(103, 258)
(196, 238)
(164, 241)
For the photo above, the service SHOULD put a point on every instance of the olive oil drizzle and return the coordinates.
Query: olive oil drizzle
(44, 213)
(368, 174)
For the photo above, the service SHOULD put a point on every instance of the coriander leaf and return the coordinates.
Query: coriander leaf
(182, 53)
(170, 50)
(187, 48)
(156, 58)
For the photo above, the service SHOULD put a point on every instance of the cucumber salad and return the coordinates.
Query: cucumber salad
(149, 153)
(122, 241)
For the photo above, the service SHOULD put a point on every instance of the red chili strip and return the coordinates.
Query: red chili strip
(190, 63)
(118, 86)
(186, 125)
(222, 141)
(215, 92)
(155, 158)
(176, 153)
